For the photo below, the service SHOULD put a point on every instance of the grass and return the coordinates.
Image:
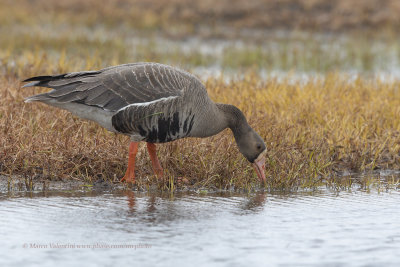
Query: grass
(120, 32)
(313, 131)
(295, 51)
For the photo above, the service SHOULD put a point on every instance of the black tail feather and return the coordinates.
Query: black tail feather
(62, 76)
(45, 78)
(68, 78)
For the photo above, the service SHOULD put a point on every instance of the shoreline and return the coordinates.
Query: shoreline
(378, 180)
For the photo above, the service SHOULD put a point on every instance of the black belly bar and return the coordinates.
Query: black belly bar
(165, 129)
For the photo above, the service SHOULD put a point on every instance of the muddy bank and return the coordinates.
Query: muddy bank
(21, 184)
(377, 181)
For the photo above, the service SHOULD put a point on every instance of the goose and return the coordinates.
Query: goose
(149, 102)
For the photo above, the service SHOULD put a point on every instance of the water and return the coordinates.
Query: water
(304, 229)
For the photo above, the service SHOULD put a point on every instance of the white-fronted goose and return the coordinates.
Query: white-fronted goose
(149, 102)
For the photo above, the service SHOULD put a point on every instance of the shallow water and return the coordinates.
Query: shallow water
(304, 229)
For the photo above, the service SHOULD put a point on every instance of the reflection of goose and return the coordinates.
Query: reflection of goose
(256, 201)
(131, 200)
(149, 102)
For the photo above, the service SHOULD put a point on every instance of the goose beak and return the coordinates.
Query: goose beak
(259, 166)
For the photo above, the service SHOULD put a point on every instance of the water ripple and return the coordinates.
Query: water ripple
(313, 229)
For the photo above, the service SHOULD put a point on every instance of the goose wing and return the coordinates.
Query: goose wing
(157, 121)
(113, 88)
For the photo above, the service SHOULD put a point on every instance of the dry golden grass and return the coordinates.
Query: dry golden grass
(313, 131)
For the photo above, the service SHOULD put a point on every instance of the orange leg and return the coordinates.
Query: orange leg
(130, 172)
(154, 160)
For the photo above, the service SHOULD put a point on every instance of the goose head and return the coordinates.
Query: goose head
(253, 148)
(250, 143)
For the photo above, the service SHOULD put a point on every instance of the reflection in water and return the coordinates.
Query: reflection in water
(151, 204)
(131, 200)
(253, 202)
(256, 201)
(224, 229)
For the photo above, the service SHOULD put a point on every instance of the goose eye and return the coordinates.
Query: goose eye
(258, 147)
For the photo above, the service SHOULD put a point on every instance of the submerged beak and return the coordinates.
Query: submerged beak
(259, 166)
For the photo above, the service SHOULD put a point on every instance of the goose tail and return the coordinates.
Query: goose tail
(39, 97)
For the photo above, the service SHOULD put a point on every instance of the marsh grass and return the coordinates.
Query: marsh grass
(300, 52)
(314, 131)
(75, 31)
